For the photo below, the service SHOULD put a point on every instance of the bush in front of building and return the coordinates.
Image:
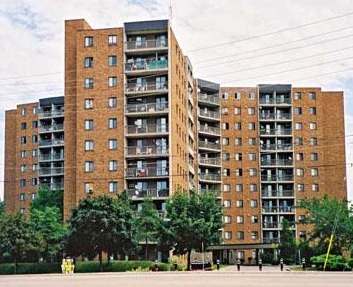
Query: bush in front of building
(334, 263)
(29, 268)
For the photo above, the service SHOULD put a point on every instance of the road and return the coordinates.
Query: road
(247, 277)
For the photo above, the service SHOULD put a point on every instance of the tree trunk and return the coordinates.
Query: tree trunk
(189, 260)
(146, 249)
(100, 261)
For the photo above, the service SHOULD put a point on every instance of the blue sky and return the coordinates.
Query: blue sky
(233, 42)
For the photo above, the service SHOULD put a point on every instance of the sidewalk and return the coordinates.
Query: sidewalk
(255, 268)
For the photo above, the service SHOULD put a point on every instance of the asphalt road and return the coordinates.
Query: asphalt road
(228, 277)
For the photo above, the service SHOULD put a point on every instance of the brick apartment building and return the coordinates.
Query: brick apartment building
(134, 117)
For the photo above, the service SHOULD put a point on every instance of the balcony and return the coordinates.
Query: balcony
(135, 151)
(275, 101)
(211, 177)
(275, 193)
(146, 172)
(146, 108)
(217, 192)
(154, 193)
(275, 178)
(277, 162)
(209, 161)
(212, 100)
(51, 142)
(276, 132)
(137, 67)
(209, 114)
(51, 128)
(50, 171)
(149, 129)
(51, 157)
(272, 116)
(155, 87)
(268, 240)
(270, 225)
(209, 145)
(49, 114)
(209, 130)
(146, 45)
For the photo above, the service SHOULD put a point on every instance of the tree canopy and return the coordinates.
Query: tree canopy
(48, 198)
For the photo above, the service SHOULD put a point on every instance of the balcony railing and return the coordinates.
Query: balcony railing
(270, 225)
(49, 114)
(147, 150)
(210, 176)
(272, 178)
(146, 44)
(146, 108)
(49, 128)
(153, 86)
(217, 192)
(276, 209)
(210, 99)
(275, 193)
(50, 170)
(276, 132)
(147, 129)
(272, 162)
(146, 65)
(209, 130)
(210, 114)
(135, 193)
(146, 172)
(272, 101)
(209, 145)
(209, 161)
(51, 142)
(272, 116)
(268, 240)
(51, 157)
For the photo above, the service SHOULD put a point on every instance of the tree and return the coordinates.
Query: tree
(48, 198)
(287, 245)
(193, 222)
(47, 222)
(101, 224)
(148, 224)
(327, 216)
(2, 208)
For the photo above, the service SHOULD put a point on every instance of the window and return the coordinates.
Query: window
(89, 166)
(238, 156)
(113, 144)
(227, 219)
(314, 172)
(312, 95)
(239, 203)
(225, 156)
(237, 95)
(254, 235)
(251, 126)
(237, 141)
(23, 168)
(313, 156)
(302, 234)
(23, 154)
(88, 187)
(113, 186)
(297, 95)
(34, 124)
(112, 40)
(34, 167)
(240, 235)
(237, 110)
(88, 104)
(23, 126)
(225, 126)
(34, 153)
(23, 140)
(22, 210)
(300, 172)
(302, 218)
(238, 172)
(313, 141)
(298, 126)
(252, 141)
(225, 96)
(226, 172)
(253, 203)
(298, 141)
(226, 187)
(88, 41)
(22, 182)
(88, 124)
(252, 156)
(112, 123)
(300, 156)
(34, 138)
(88, 83)
(33, 196)
(251, 111)
(312, 110)
(34, 181)
(253, 187)
(240, 219)
(300, 187)
(298, 110)
(113, 165)
(112, 81)
(22, 196)
(112, 60)
(225, 141)
(112, 102)
(237, 126)
(312, 126)
(228, 235)
(253, 172)
(254, 219)
(251, 96)
(23, 112)
(315, 187)
(89, 145)
(224, 111)
(226, 203)
(35, 111)
(88, 62)
(239, 187)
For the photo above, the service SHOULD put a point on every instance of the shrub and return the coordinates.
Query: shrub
(30, 268)
(334, 263)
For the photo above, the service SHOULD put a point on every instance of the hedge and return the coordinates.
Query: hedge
(334, 263)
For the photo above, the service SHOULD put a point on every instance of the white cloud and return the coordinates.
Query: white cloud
(32, 43)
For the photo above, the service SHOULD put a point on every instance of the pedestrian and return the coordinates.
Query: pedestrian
(238, 264)
(281, 263)
(260, 264)
(218, 264)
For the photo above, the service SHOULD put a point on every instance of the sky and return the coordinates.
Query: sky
(306, 43)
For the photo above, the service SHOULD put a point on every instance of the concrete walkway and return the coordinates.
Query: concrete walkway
(246, 269)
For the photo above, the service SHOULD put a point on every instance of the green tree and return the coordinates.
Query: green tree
(287, 245)
(193, 222)
(2, 208)
(101, 224)
(18, 238)
(47, 222)
(327, 216)
(148, 224)
(48, 198)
